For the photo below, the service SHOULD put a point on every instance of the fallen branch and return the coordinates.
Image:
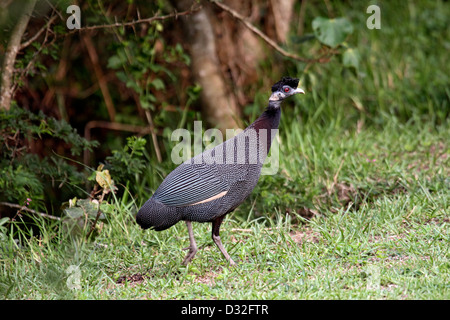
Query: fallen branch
(24, 208)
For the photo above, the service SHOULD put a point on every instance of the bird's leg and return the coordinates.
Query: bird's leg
(192, 245)
(216, 238)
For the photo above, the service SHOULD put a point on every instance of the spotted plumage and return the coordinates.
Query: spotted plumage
(215, 182)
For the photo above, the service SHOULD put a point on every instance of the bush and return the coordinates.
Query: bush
(24, 174)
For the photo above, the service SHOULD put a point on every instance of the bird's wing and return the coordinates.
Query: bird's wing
(189, 184)
(200, 179)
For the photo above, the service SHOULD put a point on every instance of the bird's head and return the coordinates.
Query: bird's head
(284, 88)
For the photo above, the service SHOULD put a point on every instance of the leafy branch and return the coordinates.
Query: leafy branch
(175, 15)
(324, 58)
(8, 86)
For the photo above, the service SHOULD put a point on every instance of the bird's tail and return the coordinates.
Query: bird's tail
(157, 216)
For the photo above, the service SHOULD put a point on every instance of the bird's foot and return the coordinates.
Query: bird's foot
(190, 255)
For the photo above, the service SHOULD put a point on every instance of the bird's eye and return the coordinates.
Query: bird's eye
(286, 89)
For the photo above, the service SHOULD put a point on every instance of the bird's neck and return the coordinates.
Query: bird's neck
(274, 105)
(269, 119)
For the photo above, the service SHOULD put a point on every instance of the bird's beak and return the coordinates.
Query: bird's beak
(299, 90)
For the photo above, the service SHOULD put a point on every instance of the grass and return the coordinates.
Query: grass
(393, 245)
(358, 209)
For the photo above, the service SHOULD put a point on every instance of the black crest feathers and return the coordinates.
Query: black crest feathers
(292, 82)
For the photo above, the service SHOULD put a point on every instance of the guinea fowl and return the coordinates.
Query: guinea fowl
(214, 183)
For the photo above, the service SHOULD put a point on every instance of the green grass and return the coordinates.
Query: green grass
(393, 245)
(358, 210)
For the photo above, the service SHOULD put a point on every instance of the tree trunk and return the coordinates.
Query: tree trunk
(241, 51)
(6, 90)
(219, 105)
(282, 13)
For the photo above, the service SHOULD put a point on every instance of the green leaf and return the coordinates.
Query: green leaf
(351, 58)
(158, 84)
(114, 62)
(146, 104)
(331, 32)
(159, 27)
(84, 207)
(74, 213)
